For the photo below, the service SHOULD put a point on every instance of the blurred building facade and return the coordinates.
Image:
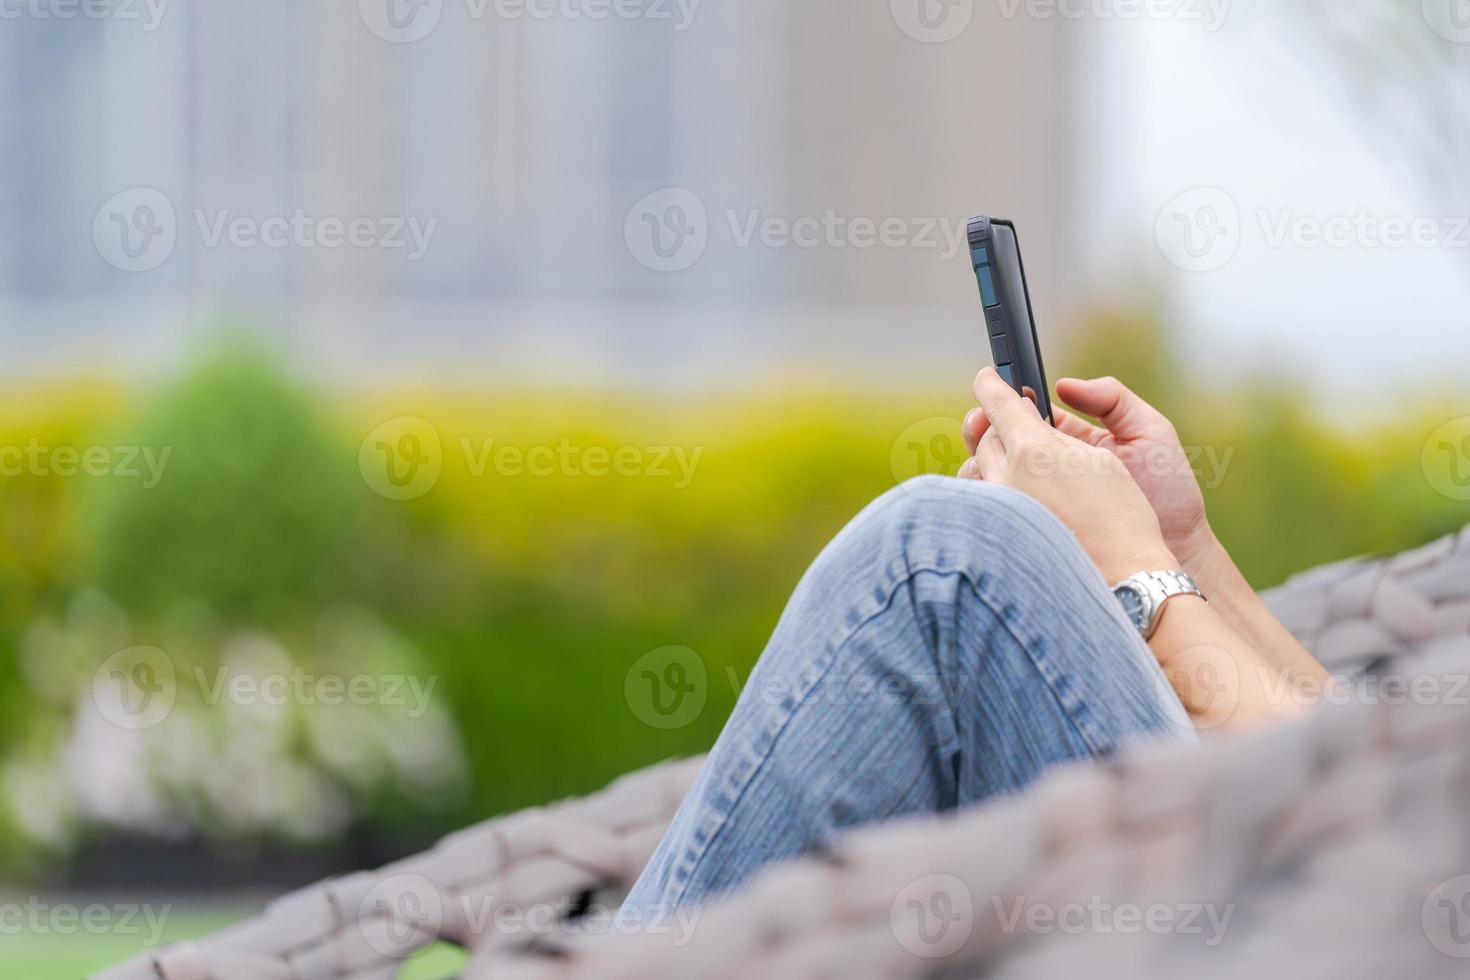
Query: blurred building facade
(528, 141)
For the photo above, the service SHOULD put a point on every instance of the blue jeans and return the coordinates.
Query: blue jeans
(949, 646)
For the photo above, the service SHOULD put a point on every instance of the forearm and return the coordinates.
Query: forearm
(1223, 676)
(1222, 679)
(1232, 597)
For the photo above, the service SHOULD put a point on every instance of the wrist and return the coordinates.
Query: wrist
(1127, 563)
(1197, 550)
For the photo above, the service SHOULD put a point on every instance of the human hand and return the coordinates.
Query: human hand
(1085, 485)
(1146, 442)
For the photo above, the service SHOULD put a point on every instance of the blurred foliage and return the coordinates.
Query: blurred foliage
(530, 597)
(1298, 489)
(253, 504)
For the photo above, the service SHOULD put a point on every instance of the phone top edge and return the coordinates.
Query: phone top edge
(978, 229)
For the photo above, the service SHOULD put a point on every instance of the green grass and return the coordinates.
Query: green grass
(66, 954)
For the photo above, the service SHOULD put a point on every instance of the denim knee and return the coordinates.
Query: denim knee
(944, 523)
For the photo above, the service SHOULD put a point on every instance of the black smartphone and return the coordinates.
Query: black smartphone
(996, 255)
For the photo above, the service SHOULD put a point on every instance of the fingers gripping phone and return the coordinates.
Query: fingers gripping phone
(995, 254)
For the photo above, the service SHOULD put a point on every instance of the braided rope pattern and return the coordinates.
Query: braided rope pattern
(1356, 614)
(1325, 840)
(829, 916)
(362, 926)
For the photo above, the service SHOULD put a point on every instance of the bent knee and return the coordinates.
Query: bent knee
(938, 522)
(968, 508)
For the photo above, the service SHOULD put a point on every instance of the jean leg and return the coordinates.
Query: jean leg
(949, 645)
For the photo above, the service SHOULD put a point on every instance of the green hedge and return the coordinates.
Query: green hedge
(531, 597)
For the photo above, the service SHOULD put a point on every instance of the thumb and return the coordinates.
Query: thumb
(1109, 401)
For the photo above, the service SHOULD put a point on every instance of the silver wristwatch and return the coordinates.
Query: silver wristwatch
(1143, 597)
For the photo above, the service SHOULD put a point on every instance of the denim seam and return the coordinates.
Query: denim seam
(696, 854)
(1071, 706)
(1077, 710)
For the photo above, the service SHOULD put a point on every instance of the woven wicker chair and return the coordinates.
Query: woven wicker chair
(843, 916)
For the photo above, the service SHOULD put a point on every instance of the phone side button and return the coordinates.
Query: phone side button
(997, 322)
(1001, 347)
(987, 286)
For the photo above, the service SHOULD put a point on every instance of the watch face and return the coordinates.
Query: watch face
(1134, 606)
